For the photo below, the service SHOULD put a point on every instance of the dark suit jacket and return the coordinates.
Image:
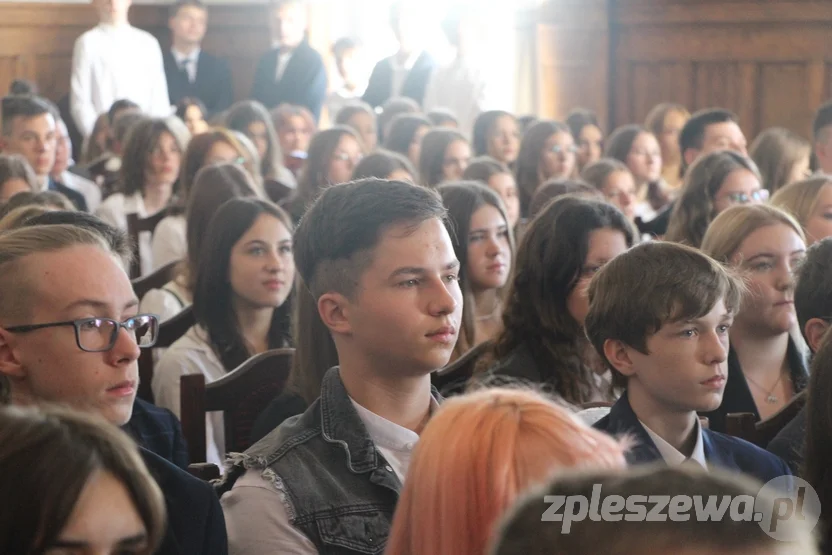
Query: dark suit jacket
(74, 196)
(158, 430)
(790, 443)
(380, 88)
(723, 451)
(303, 81)
(196, 525)
(213, 84)
(737, 396)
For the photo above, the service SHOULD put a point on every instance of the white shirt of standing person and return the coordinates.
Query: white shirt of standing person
(111, 62)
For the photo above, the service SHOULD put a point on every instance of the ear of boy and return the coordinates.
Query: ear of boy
(9, 357)
(335, 314)
(814, 331)
(618, 353)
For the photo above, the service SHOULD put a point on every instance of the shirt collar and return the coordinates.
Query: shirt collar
(408, 63)
(179, 57)
(389, 434)
(671, 455)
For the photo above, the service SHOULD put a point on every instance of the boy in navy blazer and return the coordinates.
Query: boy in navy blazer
(659, 318)
(190, 71)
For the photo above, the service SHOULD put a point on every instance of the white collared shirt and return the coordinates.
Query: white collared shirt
(114, 211)
(113, 62)
(400, 71)
(255, 513)
(191, 59)
(283, 58)
(91, 191)
(671, 455)
(191, 354)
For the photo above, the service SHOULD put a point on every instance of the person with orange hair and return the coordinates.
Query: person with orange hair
(504, 442)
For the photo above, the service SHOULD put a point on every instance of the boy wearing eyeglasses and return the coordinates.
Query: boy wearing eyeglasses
(70, 333)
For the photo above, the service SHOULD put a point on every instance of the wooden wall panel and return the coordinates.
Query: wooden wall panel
(36, 40)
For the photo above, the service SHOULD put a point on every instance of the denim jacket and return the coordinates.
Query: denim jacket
(336, 487)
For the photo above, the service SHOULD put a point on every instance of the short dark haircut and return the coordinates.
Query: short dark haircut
(179, 4)
(813, 293)
(523, 530)
(336, 237)
(183, 105)
(823, 119)
(213, 297)
(23, 106)
(381, 163)
(649, 286)
(120, 106)
(693, 133)
(344, 45)
(23, 86)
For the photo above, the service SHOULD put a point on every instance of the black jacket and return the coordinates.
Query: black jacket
(158, 430)
(303, 81)
(380, 88)
(196, 525)
(213, 85)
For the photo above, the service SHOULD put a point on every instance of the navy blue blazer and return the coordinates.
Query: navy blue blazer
(303, 81)
(158, 430)
(213, 85)
(196, 525)
(721, 450)
(76, 198)
(380, 87)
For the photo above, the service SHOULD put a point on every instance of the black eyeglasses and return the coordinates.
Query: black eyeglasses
(98, 335)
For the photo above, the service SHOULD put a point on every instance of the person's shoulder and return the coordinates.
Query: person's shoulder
(115, 201)
(174, 481)
(746, 454)
(171, 224)
(143, 35)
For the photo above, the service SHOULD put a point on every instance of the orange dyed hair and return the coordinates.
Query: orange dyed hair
(476, 456)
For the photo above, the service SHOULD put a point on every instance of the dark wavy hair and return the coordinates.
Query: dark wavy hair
(402, 130)
(212, 306)
(432, 158)
(549, 264)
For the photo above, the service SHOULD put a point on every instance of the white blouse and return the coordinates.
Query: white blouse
(166, 302)
(192, 354)
(114, 211)
(170, 242)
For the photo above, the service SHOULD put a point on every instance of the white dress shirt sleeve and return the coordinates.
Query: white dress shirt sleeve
(158, 83)
(257, 522)
(169, 242)
(80, 100)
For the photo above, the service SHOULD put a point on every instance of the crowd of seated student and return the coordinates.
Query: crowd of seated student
(406, 261)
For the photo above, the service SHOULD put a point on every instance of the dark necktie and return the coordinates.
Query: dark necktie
(183, 69)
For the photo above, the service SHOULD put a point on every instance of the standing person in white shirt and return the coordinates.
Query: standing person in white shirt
(407, 72)
(464, 87)
(116, 60)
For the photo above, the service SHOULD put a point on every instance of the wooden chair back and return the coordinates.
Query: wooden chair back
(744, 425)
(155, 280)
(241, 395)
(453, 379)
(135, 226)
(169, 332)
